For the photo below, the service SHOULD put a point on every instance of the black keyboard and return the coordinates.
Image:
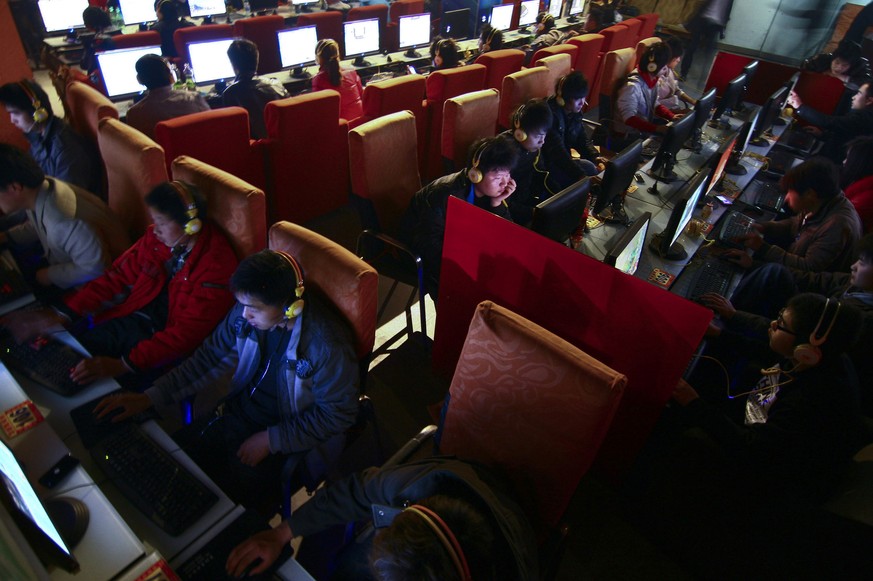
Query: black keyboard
(733, 226)
(155, 482)
(769, 197)
(91, 429)
(44, 360)
(713, 276)
(780, 161)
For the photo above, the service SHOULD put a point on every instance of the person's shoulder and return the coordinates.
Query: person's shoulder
(323, 323)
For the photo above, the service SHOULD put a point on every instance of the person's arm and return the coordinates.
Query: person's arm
(847, 122)
(626, 109)
(829, 242)
(662, 111)
(87, 253)
(780, 231)
(76, 163)
(114, 282)
(202, 105)
(823, 283)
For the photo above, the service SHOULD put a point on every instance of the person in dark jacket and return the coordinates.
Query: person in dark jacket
(848, 65)
(571, 92)
(168, 23)
(247, 90)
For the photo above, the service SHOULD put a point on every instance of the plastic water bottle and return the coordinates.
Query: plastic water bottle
(189, 78)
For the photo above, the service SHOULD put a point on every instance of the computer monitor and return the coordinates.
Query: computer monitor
(528, 13)
(414, 31)
(769, 113)
(577, 7)
(625, 253)
(137, 11)
(702, 110)
(455, 24)
(664, 244)
(678, 132)
(361, 38)
(501, 16)
(555, 8)
(748, 70)
(118, 70)
(557, 217)
(617, 176)
(732, 93)
(263, 6)
(62, 15)
(718, 162)
(19, 499)
(297, 48)
(303, 5)
(733, 167)
(209, 60)
(206, 8)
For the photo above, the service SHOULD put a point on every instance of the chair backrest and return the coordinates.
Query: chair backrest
(467, 118)
(617, 64)
(566, 48)
(134, 166)
(348, 282)
(87, 107)
(615, 37)
(558, 65)
(531, 404)
(520, 87)
(642, 45)
(588, 56)
(405, 7)
(650, 23)
(820, 91)
(384, 168)
(379, 11)
(137, 39)
(500, 63)
(262, 30)
(634, 26)
(328, 24)
(237, 207)
(393, 95)
(182, 36)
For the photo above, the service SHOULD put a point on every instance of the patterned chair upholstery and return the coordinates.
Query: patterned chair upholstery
(467, 118)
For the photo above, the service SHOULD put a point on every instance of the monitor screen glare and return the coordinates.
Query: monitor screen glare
(722, 163)
(414, 30)
(136, 11)
(628, 259)
(577, 7)
(118, 69)
(361, 36)
(555, 8)
(501, 16)
(209, 60)
(206, 7)
(60, 15)
(529, 11)
(688, 211)
(297, 46)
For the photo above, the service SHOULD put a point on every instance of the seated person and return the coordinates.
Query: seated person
(602, 14)
(545, 32)
(331, 75)
(856, 177)
(60, 152)
(248, 91)
(96, 20)
(485, 183)
(157, 302)
(474, 506)
(571, 92)
(490, 39)
(294, 390)
(444, 54)
(839, 129)
(670, 94)
(168, 23)
(161, 101)
(820, 236)
(636, 104)
(77, 232)
(845, 63)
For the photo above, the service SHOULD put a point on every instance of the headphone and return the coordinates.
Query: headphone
(40, 113)
(559, 98)
(474, 174)
(809, 354)
(194, 224)
(548, 20)
(295, 303)
(489, 39)
(519, 133)
(652, 67)
(446, 537)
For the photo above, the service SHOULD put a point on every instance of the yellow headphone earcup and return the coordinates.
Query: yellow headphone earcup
(294, 309)
(519, 134)
(474, 174)
(193, 226)
(40, 115)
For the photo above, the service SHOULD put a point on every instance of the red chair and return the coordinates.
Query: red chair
(634, 25)
(378, 11)
(650, 23)
(219, 137)
(405, 7)
(397, 94)
(820, 91)
(500, 63)
(307, 181)
(328, 24)
(262, 30)
(137, 39)
(725, 67)
(570, 49)
(467, 118)
(189, 34)
(588, 58)
(519, 88)
(614, 37)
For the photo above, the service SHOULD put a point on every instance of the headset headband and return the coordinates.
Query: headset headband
(446, 537)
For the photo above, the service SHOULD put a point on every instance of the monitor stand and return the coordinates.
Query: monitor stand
(695, 144)
(411, 54)
(664, 173)
(208, 19)
(143, 27)
(360, 62)
(733, 166)
(572, 19)
(759, 141)
(70, 516)
(523, 30)
(300, 73)
(676, 251)
(302, 8)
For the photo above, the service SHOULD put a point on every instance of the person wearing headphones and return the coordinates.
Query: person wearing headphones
(60, 152)
(568, 125)
(294, 389)
(636, 107)
(249, 91)
(332, 76)
(158, 300)
(486, 183)
(545, 33)
(490, 39)
(670, 94)
(444, 54)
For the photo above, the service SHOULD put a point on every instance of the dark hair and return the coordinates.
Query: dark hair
(493, 153)
(806, 310)
(817, 174)
(409, 548)
(575, 86)
(167, 200)
(153, 71)
(13, 94)
(18, 167)
(533, 116)
(168, 10)
(96, 18)
(864, 248)
(447, 50)
(328, 50)
(848, 51)
(868, 92)
(243, 56)
(659, 53)
(677, 47)
(492, 37)
(266, 276)
(859, 160)
(546, 19)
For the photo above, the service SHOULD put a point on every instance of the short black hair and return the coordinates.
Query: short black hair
(266, 276)
(14, 95)
(677, 47)
(491, 36)
(659, 53)
(243, 56)
(168, 10)
(859, 160)
(574, 86)
(95, 18)
(848, 51)
(864, 248)
(448, 51)
(817, 174)
(167, 200)
(153, 71)
(493, 153)
(18, 167)
(533, 116)
(807, 309)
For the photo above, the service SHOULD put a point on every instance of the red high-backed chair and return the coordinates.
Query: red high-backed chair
(820, 91)
(262, 30)
(219, 137)
(570, 49)
(520, 87)
(467, 118)
(183, 36)
(516, 13)
(307, 180)
(558, 64)
(615, 37)
(397, 94)
(405, 7)
(378, 11)
(328, 24)
(87, 106)
(642, 45)
(650, 23)
(499, 64)
(617, 64)
(725, 67)
(588, 58)
(635, 26)
(442, 85)
(137, 39)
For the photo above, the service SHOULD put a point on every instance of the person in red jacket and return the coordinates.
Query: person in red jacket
(157, 302)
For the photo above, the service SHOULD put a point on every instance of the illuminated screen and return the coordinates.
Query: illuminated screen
(136, 11)
(501, 16)
(555, 8)
(688, 210)
(722, 162)
(297, 46)
(529, 11)
(577, 7)
(206, 7)
(629, 258)
(118, 69)
(63, 14)
(301, 2)
(209, 60)
(414, 30)
(361, 36)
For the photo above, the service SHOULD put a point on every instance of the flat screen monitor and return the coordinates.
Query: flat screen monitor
(769, 113)
(625, 253)
(137, 11)
(743, 138)
(732, 93)
(297, 46)
(414, 30)
(664, 244)
(361, 38)
(577, 7)
(557, 217)
(748, 70)
(206, 7)
(719, 161)
(528, 12)
(702, 110)
(501, 16)
(555, 7)
(19, 499)
(678, 133)
(118, 70)
(617, 176)
(209, 60)
(456, 24)
(62, 15)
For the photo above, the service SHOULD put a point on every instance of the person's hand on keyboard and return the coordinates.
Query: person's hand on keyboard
(752, 240)
(254, 449)
(720, 305)
(25, 325)
(739, 257)
(95, 368)
(130, 404)
(266, 545)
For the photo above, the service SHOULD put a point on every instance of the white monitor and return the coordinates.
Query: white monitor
(501, 16)
(414, 30)
(209, 60)
(136, 11)
(302, 2)
(297, 46)
(529, 11)
(577, 7)
(206, 7)
(58, 15)
(361, 36)
(555, 8)
(118, 69)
